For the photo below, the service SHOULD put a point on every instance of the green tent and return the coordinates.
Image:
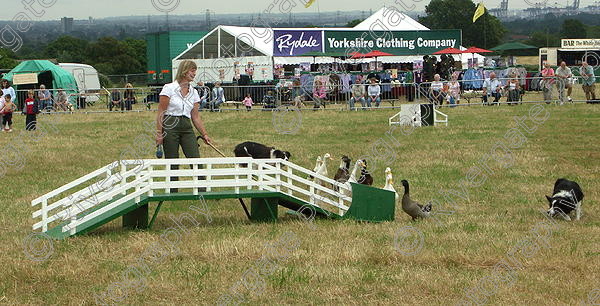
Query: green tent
(58, 77)
(49, 74)
(513, 46)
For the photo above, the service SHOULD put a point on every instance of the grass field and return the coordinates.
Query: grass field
(336, 262)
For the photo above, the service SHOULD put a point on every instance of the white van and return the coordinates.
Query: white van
(86, 77)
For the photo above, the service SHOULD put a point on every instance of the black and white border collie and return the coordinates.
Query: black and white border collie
(259, 151)
(566, 197)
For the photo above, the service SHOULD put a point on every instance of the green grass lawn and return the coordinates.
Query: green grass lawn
(333, 262)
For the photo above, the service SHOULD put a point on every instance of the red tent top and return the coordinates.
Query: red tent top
(355, 55)
(477, 50)
(449, 51)
(377, 53)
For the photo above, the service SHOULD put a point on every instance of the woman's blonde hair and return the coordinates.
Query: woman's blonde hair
(128, 85)
(184, 68)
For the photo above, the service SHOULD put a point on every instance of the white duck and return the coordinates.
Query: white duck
(389, 183)
(352, 179)
(317, 166)
(323, 168)
(322, 171)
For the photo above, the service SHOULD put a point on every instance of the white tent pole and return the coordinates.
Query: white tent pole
(219, 43)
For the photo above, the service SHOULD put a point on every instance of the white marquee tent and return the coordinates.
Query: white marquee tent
(229, 50)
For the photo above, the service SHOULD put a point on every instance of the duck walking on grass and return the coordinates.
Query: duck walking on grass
(389, 183)
(413, 208)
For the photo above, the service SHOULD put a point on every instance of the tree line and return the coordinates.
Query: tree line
(108, 55)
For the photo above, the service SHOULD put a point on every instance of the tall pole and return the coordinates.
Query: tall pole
(484, 32)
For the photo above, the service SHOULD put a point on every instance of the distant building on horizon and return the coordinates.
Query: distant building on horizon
(66, 24)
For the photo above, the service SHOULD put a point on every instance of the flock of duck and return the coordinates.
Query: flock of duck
(344, 176)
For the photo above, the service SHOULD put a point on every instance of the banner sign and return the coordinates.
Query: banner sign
(296, 42)
(393, 42)
(580, 44)
(25, 78)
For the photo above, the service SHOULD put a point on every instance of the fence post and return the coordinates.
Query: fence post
(44, 215)
(290, 181)
(150, 180)
(236, 167)
(123, 178)
(208, 176)
(278, 176)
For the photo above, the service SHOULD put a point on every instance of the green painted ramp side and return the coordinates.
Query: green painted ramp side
(214, 195)
(371, 204)
(276, 198)
(98, 221)
(296, 205)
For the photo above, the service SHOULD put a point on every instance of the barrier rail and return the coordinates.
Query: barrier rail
(336, 96)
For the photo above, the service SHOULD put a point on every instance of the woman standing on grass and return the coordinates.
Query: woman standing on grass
(129, 96)
(177, 112)
(548, 81)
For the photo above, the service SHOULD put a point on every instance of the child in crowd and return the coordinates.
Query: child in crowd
(248, 102)
(7, 111)
(31, 110)
(269, 100)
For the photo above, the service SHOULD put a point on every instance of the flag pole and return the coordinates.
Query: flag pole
(484, 31)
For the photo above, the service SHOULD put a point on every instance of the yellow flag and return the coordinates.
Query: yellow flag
(479, 11)
(309, 3)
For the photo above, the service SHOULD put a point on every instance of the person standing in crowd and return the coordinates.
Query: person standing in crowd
(436, 91)
(319, 94)
(7, 110)
(116, 101)
(409, 80)
(45, 98)
(513, 89)
(129, 97)
(248, 102)
(548, 79)
(203, 93)
(491, 87)
(31, 110)
(218, 96)
(358, 94)
(296, 89)
(454, 90)
(8, 90)
(564, 75)
(589, 82)
(374, 92)
(177, 113)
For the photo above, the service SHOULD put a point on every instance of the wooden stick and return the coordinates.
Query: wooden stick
(211, 145)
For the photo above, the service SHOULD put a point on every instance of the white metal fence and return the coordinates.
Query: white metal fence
(336, 96)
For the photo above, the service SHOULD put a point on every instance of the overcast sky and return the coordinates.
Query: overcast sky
(82, 9)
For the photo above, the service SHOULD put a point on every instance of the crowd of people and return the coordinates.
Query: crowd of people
(364, 91)
(494, 89)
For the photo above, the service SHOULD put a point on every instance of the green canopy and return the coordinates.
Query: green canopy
(513, 46)
(60, 77)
